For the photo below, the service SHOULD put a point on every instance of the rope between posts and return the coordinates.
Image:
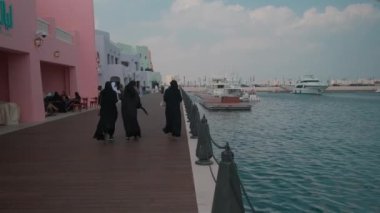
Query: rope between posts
(236, 195)
(216, 160)
(245, 194)
(217, 145)
(212, 173)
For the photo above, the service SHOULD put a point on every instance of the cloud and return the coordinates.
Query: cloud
(350, 17)
(182, 5)
(196, 37)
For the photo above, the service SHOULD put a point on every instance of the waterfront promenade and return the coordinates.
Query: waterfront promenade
(58, 167)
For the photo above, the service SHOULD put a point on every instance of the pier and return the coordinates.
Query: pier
(216, 103)
(58, 167)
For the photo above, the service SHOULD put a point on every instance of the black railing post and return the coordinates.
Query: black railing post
(194, 124)
(204, 147)
(227, 195)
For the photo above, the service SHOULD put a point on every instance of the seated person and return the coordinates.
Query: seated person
(50, 109)
(76, 100)
(58, 102)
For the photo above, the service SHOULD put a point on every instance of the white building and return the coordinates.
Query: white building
(122, 63)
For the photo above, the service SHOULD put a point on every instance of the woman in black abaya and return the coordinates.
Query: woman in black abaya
(173, 98)
(129, 105)
(108, 113)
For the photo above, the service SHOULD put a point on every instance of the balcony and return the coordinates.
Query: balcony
(64, 36)
(43, 27)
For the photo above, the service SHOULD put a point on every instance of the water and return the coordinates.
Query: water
(305, 153)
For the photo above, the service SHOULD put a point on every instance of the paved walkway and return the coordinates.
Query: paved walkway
(58, 167)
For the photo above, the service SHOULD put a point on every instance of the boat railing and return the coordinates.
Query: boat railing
(228, 186)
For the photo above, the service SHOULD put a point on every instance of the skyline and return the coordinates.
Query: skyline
(264, 39)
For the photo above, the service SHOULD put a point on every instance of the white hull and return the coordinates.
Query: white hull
(317, 90)
(309, 85)
(249, 98)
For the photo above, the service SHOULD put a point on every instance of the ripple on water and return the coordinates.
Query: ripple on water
(306, 153)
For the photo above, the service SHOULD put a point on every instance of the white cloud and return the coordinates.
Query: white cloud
(182, 5)
(206, 36)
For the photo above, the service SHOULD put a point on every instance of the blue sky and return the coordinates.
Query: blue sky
(267, 39)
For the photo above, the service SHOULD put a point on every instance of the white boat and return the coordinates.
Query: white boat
(220, 87)
(309, 85)
(249, 95)
(246, 97)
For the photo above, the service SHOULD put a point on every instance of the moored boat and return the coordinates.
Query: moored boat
(220, 87)
(309, 85)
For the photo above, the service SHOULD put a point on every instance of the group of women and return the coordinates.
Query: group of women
(130, 103)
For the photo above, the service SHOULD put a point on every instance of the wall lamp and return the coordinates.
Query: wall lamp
(38, 42)
(56, 54)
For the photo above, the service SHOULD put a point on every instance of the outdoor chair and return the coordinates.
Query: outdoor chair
(94, 102)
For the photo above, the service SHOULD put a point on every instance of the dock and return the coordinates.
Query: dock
(215, 103)
(58, 167)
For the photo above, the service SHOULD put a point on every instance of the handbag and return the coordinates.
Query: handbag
(162, 104)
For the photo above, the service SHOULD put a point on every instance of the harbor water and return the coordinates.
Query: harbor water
(306, 153)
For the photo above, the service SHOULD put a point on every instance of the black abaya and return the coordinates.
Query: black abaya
(173, 98)
(108, 113)
(129, 105)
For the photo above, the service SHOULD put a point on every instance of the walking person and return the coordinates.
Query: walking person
(172, 99)
(129, 105)
(108, 113)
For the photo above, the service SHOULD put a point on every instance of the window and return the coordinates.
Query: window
(108, 58)
(116, 60)
(125, 63)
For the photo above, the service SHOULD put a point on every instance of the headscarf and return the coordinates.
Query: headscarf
(174, 83)
(108, 86)
(130, 89)
(107, 91)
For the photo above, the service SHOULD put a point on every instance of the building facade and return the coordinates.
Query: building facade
(122, 63)
(42, 49)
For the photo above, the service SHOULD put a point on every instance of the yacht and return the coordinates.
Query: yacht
(220, 87)
(309, 85)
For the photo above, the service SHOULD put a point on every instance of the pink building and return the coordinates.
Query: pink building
(46, 46)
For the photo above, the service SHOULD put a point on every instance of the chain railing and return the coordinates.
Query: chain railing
(228, 187)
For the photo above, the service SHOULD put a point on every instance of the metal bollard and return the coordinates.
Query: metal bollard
(227, 195)
(195, 122)
(192, 115)
(204, 147)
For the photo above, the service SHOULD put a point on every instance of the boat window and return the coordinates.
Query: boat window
(299, 86)
(220, 86)
(307, 81)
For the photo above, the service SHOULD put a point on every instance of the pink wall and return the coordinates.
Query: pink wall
(27, 78)
(23, 64)
(4, 82)
(54, 78)
(25, 87)
(21, 37)
(81, 19)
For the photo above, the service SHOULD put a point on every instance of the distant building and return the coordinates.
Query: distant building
(357, 82)
(122, 63)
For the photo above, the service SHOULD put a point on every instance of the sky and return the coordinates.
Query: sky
(250, 39)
